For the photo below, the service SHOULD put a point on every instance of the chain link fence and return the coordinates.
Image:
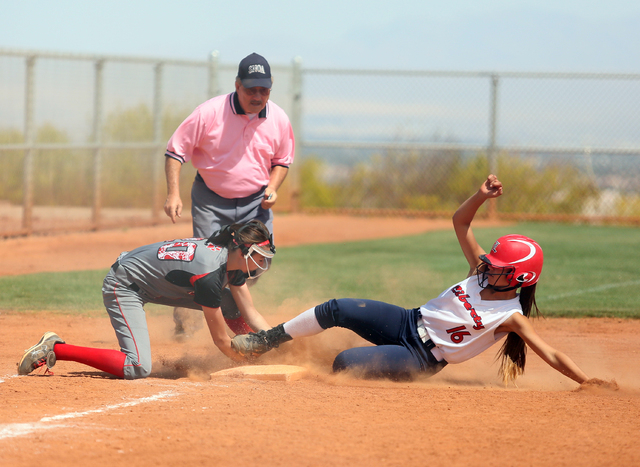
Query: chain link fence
(567, 146)
(82, 139)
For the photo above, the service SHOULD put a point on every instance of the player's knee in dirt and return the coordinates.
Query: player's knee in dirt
(137, 370)
(341, 363)
(138, 373)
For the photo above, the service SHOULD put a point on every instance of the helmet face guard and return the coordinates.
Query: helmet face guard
(265, 249)
(520, 258)
(490, 279)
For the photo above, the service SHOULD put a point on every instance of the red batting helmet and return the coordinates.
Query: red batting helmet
(521, 256)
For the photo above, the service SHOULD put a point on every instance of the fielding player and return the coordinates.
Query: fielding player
(242, 146)
(460, 323)
(190, 273)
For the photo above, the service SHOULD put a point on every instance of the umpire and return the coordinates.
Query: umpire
(242, 146)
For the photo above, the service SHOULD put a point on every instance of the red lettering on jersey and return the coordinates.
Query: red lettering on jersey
(462, 296)
(179, 251)
(457, 334)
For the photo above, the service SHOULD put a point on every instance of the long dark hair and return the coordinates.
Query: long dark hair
(237, 235)
(513, 353)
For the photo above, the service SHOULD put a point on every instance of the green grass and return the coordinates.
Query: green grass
(589, 271)
(70, 291)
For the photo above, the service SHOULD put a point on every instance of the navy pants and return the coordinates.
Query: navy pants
(399, 353)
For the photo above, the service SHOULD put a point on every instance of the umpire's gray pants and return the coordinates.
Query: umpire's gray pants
(211, 211)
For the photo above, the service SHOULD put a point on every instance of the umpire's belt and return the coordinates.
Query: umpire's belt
(133, 286)
(250, 197)
(428, 343)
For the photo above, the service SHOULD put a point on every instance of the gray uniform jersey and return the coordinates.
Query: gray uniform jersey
(187, 272)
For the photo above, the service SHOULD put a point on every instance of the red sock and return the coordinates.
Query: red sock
(238, 326)
(111, 361)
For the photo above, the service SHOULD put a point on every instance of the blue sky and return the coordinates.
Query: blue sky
(496, 35)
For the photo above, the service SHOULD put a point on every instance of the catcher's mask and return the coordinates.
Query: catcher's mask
(518, 258)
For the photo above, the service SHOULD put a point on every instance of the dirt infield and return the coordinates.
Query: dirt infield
(462, 416)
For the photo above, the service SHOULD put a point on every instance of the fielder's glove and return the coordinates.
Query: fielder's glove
(251, 345)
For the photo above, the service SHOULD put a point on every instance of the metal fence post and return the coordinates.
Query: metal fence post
(158, 152)
(296, 124)
(609, 165)
(97, 139)
(492, 150)
(27, 172)
(214, 89)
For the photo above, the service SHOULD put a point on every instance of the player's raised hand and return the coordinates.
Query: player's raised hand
(492, 187)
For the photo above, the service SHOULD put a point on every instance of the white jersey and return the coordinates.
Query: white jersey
(461, 324)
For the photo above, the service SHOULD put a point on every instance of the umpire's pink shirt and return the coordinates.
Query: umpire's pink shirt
(233, 154)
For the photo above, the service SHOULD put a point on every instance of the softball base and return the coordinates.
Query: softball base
(264, 372)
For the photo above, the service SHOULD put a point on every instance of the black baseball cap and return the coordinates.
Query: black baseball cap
(254, 70)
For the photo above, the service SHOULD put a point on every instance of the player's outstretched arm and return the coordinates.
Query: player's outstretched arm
(243, 300)
(217, 328)
(556, 359)
(491, 188)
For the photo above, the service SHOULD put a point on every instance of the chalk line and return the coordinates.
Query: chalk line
(8, 377)
(12, 430)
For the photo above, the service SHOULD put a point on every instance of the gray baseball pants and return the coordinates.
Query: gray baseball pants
(125, 305)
